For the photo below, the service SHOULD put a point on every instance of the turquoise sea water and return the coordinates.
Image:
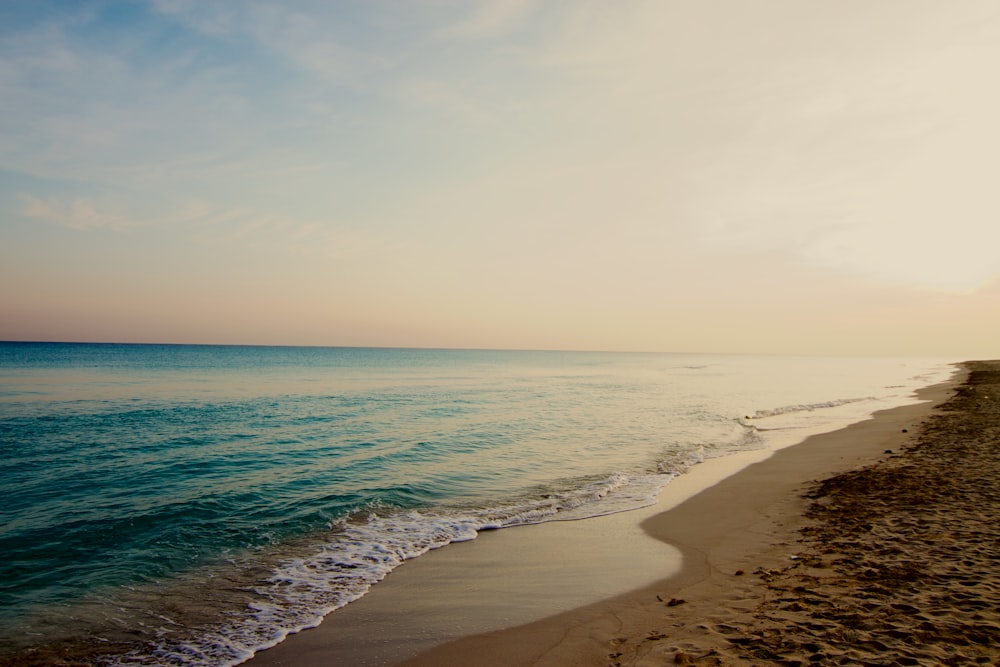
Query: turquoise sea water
(190, 505)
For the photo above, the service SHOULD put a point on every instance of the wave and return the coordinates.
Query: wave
(806, 407)
(360, 550)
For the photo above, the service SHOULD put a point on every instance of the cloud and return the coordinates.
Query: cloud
(80, 214)
(490, 18)
(305, 35)
(210, 18)
(310, 44)
(233, 232)
(91, 213)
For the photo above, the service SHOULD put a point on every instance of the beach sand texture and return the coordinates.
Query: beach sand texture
(893, 558)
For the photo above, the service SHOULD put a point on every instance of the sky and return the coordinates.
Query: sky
(772, 176)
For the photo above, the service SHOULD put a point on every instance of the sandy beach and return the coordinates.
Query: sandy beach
(876, 544)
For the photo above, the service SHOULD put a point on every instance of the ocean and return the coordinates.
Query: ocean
(191, 505)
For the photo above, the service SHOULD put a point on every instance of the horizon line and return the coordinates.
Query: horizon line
(467, 349)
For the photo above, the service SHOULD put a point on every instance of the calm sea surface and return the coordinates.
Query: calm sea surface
(190, 505)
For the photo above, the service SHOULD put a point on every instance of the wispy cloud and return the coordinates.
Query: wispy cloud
(79, 214)
(232, 230)
(216, 19)
(308, 39)
(489, 18)
(311, 45)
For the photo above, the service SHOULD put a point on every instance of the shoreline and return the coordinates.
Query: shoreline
(592, 631)
(756, 517)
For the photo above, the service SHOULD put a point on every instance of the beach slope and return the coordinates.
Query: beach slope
(876, 544)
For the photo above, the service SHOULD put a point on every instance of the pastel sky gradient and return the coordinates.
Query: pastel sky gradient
(711, 176)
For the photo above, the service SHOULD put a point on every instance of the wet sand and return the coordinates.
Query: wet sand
(502, 579)
(781, 574)
(831, 552)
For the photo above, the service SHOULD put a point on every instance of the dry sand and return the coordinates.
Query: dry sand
(891, 559)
